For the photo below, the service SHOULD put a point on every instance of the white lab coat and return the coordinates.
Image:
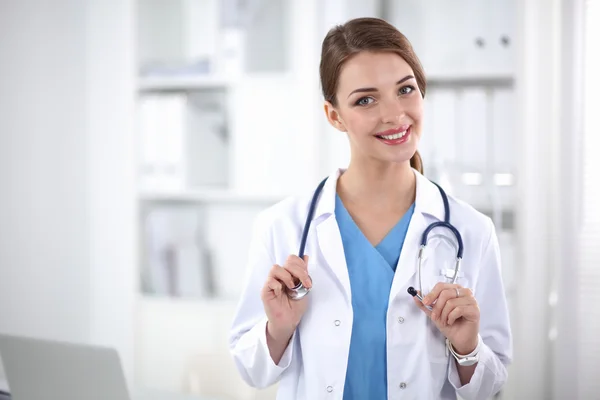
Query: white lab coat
(313, 366)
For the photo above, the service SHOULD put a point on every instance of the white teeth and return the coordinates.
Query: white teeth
(394, 136)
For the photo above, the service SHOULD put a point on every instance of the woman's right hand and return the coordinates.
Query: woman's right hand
(283, 313)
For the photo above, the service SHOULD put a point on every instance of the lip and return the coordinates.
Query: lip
(393, 131)
(399, 141)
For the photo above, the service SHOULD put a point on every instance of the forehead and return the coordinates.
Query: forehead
(372, 69)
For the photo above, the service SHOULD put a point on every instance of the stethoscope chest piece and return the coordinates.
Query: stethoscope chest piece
(297, 292)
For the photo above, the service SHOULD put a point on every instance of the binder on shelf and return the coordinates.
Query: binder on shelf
(177, 260)
(162, 140)
(184, 142)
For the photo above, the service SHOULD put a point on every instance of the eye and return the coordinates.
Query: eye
(407, 89)
(363, 101)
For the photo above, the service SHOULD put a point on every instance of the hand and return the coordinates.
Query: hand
(457, 317)
(283, 313)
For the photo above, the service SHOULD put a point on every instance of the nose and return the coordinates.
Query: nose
(391, 111)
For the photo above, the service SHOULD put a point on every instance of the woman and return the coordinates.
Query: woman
(358, 334)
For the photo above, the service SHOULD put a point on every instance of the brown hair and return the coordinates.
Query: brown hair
(365, 34)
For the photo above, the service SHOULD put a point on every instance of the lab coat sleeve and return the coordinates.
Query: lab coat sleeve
(247, 339)
(496, 353)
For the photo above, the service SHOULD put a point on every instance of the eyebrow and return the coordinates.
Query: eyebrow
(407, 77)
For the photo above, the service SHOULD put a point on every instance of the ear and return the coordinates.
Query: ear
(333, 116)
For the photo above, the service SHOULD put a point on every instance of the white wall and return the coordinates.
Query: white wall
(66, 172)
(111, 177)
(540, 106)
(44, 229)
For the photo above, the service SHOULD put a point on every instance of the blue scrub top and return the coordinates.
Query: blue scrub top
(371, 270)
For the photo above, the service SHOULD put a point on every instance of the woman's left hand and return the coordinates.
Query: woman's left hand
(455, 313)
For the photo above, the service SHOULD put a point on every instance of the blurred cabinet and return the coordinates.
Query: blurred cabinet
(192, 247)
(177, 35)
(215, 111)
(458, 37)
(196, 37)
(196, 138)
(468, 145)
(183, 139)
(225, 127)
(225, 95)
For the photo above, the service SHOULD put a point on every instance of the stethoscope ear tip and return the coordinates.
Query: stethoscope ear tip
(412, 291)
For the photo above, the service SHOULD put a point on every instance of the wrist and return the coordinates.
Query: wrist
(467, 347)
(465, 355)
(278, 333)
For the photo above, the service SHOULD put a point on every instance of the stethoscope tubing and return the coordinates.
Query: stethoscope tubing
(300, 291)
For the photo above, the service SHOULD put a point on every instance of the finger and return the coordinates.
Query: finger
(455, 314)
(436, 291)
(422, 307)
(283, 275)
(451, 305)
(294, 259)
(469, 312)
(440, 302)
(299, 269)
(275, 286)
(298, 274)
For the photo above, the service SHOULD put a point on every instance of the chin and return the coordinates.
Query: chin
(398, 156)
(393, 159)
(399, 160)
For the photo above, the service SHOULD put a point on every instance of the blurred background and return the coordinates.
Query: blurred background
(140, 138)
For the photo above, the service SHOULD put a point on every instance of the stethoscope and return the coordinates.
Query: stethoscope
(299, 291)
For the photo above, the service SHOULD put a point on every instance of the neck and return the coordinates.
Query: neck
(385, 185)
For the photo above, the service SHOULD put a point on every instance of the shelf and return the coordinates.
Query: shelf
(170, 301)
(208, 196)
(469, 80)
(182, 83)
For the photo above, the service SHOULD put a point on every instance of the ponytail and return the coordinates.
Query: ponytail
(416, 162)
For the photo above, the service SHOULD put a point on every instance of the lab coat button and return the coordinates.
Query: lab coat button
(400, 320)
(337, 322)
(403, 385)
(329, 389)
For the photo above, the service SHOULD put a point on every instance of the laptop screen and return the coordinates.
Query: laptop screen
(41, 369)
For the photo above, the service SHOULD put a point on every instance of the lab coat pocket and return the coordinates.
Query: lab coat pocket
(447, 275)
(436, 344)
(438, 359)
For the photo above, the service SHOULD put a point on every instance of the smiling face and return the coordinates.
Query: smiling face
(379, 105)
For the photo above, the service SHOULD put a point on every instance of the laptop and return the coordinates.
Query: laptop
(46, 370)
(38, 369)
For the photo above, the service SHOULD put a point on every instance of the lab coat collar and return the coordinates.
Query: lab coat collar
(326, 204)
(427, 201)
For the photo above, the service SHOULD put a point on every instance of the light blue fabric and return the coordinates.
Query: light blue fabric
(371, 270)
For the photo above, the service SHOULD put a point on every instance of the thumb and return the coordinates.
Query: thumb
(422, 307)
(305, 258)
